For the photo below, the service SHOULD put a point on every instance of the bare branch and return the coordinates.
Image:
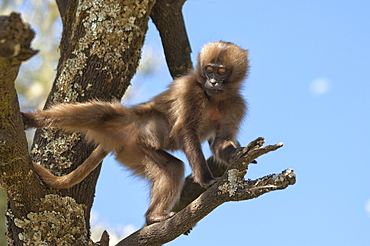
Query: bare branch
(168, 18)
(15, 39)
(104, 241)
(239, 190)
(192, 190)
(253, 150)
(230, 187)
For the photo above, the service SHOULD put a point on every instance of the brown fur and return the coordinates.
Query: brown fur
(180, 118)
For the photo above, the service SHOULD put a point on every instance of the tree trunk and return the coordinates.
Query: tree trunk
(100, 52)
(15, 164)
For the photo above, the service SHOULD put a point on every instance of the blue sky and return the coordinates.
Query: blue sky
(308, 87)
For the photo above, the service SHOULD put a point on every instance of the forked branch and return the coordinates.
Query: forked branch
(231, 187)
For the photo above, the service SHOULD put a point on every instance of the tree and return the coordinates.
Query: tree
(99, 54)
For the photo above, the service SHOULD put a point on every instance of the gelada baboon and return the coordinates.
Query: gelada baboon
(204, 105)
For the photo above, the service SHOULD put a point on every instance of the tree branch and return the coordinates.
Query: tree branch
(230, 187)
(15, 39)
(168, 18)
(20, 183)
(192, 190)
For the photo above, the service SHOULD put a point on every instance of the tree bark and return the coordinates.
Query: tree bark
(16, 176)
(168, 18)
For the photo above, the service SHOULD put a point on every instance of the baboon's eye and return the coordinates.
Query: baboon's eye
(209, 69)
(221, 71)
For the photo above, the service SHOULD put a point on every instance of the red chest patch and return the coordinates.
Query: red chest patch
(215, 115)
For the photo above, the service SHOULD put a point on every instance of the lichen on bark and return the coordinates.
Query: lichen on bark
(60, 221)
